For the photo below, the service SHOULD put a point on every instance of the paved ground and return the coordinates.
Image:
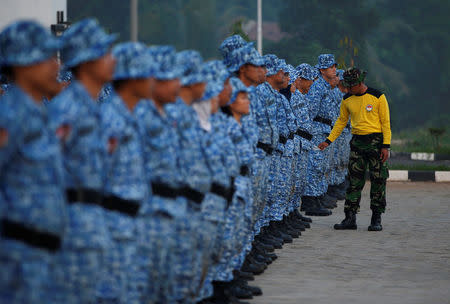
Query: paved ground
(408, 262)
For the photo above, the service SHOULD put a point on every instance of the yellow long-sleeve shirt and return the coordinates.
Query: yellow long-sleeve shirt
(369, 113)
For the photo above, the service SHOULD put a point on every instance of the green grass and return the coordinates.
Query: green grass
(420, 140)
(419, 167)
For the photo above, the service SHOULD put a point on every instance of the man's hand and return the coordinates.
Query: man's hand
(384, 155)
(322, 146)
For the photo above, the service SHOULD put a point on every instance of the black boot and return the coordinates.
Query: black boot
(304, 219)
(338, 191)
(349, 223)
(375, 222)
(312, 206)
(328, 201)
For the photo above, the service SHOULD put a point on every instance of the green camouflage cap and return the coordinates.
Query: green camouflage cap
(353, 76)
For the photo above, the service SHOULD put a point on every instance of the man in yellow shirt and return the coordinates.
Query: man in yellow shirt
(369, 113)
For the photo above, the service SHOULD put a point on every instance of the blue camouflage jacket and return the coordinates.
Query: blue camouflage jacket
(85, 148)
(161, 148)
(31, 172)
(126, 176)
(192, 159)
(265, 109)
(322, 101)
(300, 107)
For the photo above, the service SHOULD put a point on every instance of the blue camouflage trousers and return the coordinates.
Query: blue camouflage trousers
(316, 182)
(260, 175)
(235, 233)
(80, 264)
(300, 173)
(283, 187)
(213, 212)
(26, 273)
(275, 166)
(119, 283)
(246, 233)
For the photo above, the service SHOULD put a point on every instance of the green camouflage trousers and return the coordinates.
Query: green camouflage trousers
(365, 153)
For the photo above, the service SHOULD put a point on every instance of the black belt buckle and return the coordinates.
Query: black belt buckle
(164, 190)
(323, 120)
(220, 190)
(18, 231)
(291, 135)
(265, 147)
(192, 194)
(244, 170)
(304, 134)
(86, 196)
(115, 203)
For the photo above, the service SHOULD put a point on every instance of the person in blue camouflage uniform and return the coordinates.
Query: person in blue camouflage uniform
(222, 186)
(126, 183)
(334, 156)
(243, 196)
(270, 98)
(293, 124)
(338, 185)
(321, 106)
(224, 165)
(168, 206)
(248, 65)
(304, 77)
(32, 198)
(81, 263)
(196, 231)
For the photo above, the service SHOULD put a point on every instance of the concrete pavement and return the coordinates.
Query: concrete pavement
(408, 262)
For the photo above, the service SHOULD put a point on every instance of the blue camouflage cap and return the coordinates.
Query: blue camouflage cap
(292, 73)
(306, 71)
(85, 41)
(232, 43)
(340, 74)
(191, 63)
(26, 42)
(325, 61)
(236, 87)
(216, 74)
(133, 60)
(164, 57)
(244, 55)
(273, 64)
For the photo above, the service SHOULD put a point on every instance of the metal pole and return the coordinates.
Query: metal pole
(134, 20)
(259, 27)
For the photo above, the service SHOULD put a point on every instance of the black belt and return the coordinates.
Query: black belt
(221, 190)
(244, 170)
(192, 194)
(115, 203)
(265, 147)
(367, 138)
(291, 135)
(323, 120)
(283, 139)
(164, 190)
(30, 236)
(86, 196)
(304, 134)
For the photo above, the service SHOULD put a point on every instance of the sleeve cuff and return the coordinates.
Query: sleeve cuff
(387, 146)
(328, 141)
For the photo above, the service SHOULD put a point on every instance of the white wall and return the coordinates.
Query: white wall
(43, 11)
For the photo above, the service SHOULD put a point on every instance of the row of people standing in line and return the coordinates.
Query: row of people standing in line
(153, 194)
